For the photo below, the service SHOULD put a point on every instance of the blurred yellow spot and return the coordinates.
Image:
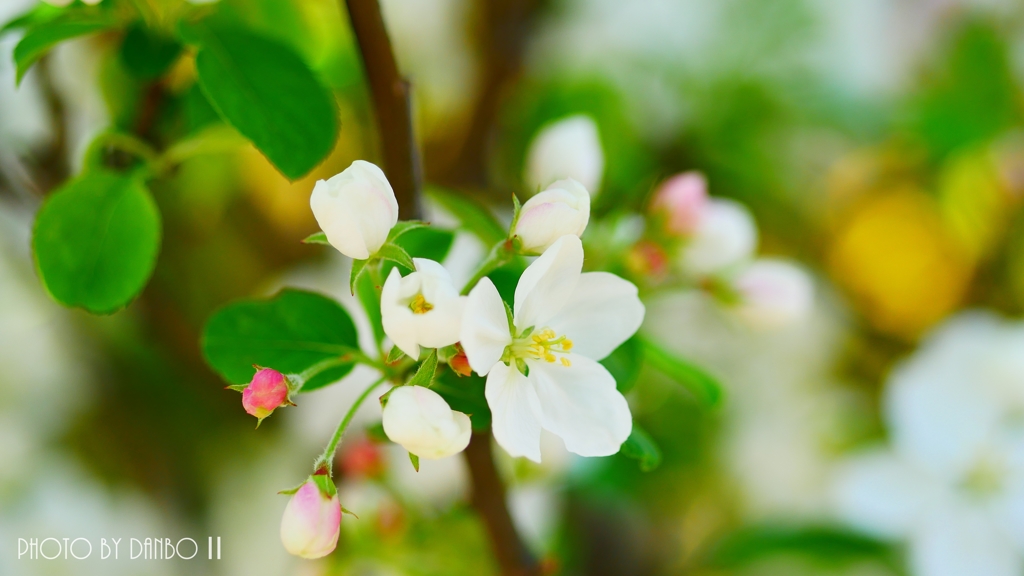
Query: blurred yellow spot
(895, 256)
(974, 201)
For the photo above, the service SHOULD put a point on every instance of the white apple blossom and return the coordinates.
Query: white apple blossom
(563, 208)
(421, 309)
(421, 421)
(773, 293)
(567, 148)
(541, 367)
(725, 236)
(951, 483)
(356, 209)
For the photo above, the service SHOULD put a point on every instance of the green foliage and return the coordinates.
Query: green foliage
(972, 95)
(473, 217)
(41, 12)
(96, 241)
(642, 448)
(146, 53)
(369, 296)
(424, 375)
(825, 544)
(262, 88)
(704, 387)
(624, 363)
(290, 332)
(44, 34)
(465, 394)
(427, 242)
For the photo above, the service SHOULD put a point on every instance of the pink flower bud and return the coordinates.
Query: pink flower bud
(267, 391)
(312, 519)
(681, 199)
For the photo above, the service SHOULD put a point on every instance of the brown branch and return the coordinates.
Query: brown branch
(489, 501)
(392, 105)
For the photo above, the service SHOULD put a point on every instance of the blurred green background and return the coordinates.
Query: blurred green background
(878, 142)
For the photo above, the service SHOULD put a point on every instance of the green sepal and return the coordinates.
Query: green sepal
(396, 254)
(316, 238)
(349, 512)
(325, 484)
(293, 490)
(237, 387)
(523, 368)
(415, 461)
(447, 353)
(358, 267)
(425, 373)
(511, 318)
(384, 399)
(394, 356)
(517, 209)
(403, 227)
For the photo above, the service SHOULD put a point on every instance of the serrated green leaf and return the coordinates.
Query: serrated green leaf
(290, 332)
(397, 254)
(473, 217)
(43, 35)
(704, 387)
(624, 364)
(316, 238)
(642, 448)
(425, 373)
(415, 461)
(147, 53)
(96, 240)
(265, 90)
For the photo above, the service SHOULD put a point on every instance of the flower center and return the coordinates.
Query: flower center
(544, 345)
(985, 478)
(419, 305)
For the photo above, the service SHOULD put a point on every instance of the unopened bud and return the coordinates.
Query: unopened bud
(726, 235)
(681, 200)
(773, 293)
(267, 392)
(568, 148)
(312, 519)
(564, 208)
(421, 421)
(459, 363)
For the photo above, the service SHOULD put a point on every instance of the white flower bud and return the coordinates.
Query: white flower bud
(564, 208)
(421, 309)
(421, 421)
(311, 521)
(773, 293)
(356, 209)
(726, 235)
(568, 148)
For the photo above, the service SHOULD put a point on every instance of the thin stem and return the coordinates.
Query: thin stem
(501, 254)
(328, 455)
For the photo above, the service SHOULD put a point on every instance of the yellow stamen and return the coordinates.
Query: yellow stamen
(566, 345)
(565, 361)
(419, 305)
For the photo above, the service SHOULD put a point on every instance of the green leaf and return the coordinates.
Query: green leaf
(424, 375)
(394, 355)
(96, 241)
(358, 271)
(43, 35)
(702, 385)
(396, 254)
(624, 364)
(405, 226)
(474, 217)
(265, 90)
(369, 296)
(146, 53)
(642, 448)
(41, 12)
(421, 242)
(826, 544)
(415, 461)
(290, 332)
(316, 238)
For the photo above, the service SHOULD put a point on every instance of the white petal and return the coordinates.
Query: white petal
(564, 208)
(567, 148)
(602, 313)
(957, 540)
(773, 293)
(548, 282)
(422, 422)
(515, 412)
(581, 405)
(397, 317)
(484, 333)
(725, 235)
(881, 494)
(438, 327)
(338, 221)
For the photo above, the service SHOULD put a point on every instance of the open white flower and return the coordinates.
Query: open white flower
(356, 209)
(421, 309)
(725, 235)
(421, 421)
(542, 372)
(952, 482)
(567, 148)
(564, 208)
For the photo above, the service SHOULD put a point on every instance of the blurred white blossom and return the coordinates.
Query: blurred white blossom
(773, 293)
(567, 148)
(725, 236)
